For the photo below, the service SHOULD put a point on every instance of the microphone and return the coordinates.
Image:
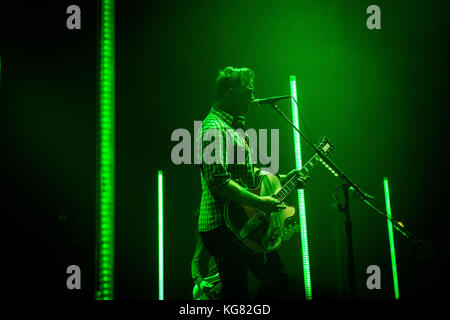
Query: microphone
(269, 100)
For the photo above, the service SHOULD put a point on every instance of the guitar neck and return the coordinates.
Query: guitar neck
(291, 184)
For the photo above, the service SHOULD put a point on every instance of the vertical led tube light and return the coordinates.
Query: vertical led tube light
(106, 160)
(160, 237)
(391, 237)
(301, 196)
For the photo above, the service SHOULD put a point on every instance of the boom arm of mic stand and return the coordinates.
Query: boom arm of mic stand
(364, 196)
(324, 157)
(400, 228)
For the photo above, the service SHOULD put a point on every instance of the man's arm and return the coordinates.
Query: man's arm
(235, 192)
(219, 179)
(198, 262)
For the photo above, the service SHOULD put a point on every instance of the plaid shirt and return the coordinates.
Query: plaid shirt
(216, 175)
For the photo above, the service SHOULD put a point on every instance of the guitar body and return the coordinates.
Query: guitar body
(257, 230)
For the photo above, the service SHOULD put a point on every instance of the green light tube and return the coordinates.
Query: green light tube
(106, 160)
(301, 195)
(160, 237)
(391, 237)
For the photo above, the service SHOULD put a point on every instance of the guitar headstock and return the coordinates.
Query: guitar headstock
(326, 146)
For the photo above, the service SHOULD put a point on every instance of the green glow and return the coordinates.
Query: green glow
(160, 236)
(391, 237)
(106, 155)
(301, 196)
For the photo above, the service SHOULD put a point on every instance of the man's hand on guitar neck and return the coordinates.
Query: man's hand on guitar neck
(302, 179)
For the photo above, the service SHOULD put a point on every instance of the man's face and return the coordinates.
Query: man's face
(243, 97)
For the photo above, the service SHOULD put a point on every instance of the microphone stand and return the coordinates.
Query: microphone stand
(348, 188)
(345, 209)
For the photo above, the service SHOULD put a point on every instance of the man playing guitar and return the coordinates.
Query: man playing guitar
(223, 181)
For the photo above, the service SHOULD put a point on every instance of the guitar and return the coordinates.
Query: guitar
(213, 292)
(265, 231)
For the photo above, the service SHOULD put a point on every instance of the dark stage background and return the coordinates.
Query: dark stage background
(379, 95)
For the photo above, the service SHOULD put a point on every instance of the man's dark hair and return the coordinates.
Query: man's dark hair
(231, 78)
